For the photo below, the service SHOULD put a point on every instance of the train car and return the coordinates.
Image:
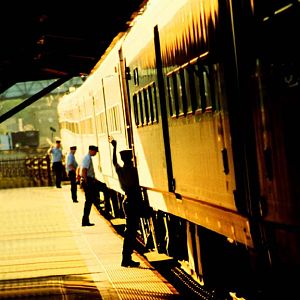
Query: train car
(205, 94)
(92, 112)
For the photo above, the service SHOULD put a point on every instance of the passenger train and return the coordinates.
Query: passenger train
(206, 94)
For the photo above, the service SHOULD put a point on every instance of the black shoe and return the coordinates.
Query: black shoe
(130, 263)
(88, 224)
(59, 187)
(75, 201)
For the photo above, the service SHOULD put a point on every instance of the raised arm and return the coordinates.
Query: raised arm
(114, 144)
(50, 150)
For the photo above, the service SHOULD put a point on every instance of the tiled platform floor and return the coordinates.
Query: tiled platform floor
(47, 254)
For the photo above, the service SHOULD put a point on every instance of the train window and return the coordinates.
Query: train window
(135, 76)
(189, 90)
(109, 120)
(141, 107)
(217, 88)
(182, 98)
(183, 88)
(117, 118)
(207, 89)
(193, 99)
(152, 102)
(97, 118)
(200, 87)
(80, 126)
(146, 105)
(84, 126)
(111, 123)
(99, 125)
(83, 129)
(175, 91)
(170, 96)
(172, 92)
(87, 127)
(135, 109)
(76, 127)
(114, 119)
(91, 127)
(100, 119)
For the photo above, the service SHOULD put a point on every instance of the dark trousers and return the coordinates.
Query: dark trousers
(132, 225)
(57, 168)
(91, 190)
(101, 187)
(72, 177)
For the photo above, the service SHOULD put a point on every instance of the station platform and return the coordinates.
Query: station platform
(47, 254)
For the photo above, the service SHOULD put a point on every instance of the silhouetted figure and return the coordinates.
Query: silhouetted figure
(91, 185)
(129, 181)
(72, 167)
(57, 165)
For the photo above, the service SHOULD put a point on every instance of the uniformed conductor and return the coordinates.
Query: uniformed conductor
(129, 181)
(71, 167)
(57, 165)
(91, 185)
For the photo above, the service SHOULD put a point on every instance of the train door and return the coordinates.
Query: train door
(144, 100)
(197, 134)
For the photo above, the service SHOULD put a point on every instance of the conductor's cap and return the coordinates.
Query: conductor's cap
(92, 147)
(126, 154)
(73, 148)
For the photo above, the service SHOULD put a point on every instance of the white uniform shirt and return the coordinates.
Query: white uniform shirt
(87, 163)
